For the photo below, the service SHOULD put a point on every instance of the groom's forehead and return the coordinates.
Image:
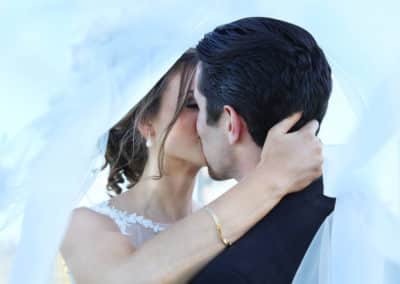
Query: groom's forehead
(199, 97)
(197, 79)
(196, 95)
(197, 73)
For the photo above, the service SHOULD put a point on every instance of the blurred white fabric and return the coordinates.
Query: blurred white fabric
(70, 69)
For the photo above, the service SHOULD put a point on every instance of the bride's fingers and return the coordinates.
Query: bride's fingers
(285, 125)
(311, 127)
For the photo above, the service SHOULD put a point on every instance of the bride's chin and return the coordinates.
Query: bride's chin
(200, 162)
(198, 157)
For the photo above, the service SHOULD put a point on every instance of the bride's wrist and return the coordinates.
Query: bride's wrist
(270, 182)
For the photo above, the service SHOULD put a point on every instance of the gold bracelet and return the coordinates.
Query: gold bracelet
(226, 242)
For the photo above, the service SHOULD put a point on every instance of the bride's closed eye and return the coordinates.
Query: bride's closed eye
(192, 105)
(191, 102)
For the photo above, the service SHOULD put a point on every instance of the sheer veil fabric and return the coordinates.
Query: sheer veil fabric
(73, 68)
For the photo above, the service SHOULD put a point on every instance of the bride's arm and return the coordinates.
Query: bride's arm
(289, 163)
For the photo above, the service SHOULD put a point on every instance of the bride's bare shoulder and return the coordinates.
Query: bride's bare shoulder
(86, 218)
(87, 225)
(88, 229)
(94, 240)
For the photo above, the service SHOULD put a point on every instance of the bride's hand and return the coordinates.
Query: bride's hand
(293, 160)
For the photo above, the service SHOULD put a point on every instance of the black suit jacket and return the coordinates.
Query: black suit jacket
(273, 249)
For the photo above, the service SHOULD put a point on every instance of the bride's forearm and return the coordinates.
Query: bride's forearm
(177, 254)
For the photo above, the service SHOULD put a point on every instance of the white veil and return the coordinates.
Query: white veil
(73, 68)
(358, 242)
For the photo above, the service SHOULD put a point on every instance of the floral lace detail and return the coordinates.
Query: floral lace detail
(124, 219)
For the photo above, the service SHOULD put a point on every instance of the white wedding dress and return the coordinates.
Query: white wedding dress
(71, 69)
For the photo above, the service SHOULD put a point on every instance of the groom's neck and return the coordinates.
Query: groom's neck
(247, 158)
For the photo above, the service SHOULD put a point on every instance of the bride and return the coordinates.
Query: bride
(153, 232)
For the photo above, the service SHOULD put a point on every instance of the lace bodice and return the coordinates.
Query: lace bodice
(136, 227)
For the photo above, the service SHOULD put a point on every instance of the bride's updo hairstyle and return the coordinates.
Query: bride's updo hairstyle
(126, 152)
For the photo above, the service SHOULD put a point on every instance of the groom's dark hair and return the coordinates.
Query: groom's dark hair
(266, 69)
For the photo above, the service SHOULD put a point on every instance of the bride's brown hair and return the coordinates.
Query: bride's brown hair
(126, 152)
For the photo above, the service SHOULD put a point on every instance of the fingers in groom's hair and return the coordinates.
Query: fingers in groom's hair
(285, 125)
(311, 127)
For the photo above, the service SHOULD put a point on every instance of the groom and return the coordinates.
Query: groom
(253, 73)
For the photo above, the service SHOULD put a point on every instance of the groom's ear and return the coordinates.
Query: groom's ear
(234, 125)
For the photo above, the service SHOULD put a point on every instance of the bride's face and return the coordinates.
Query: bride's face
(182, 143)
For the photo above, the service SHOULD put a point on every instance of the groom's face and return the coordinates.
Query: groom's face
(215, 145)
